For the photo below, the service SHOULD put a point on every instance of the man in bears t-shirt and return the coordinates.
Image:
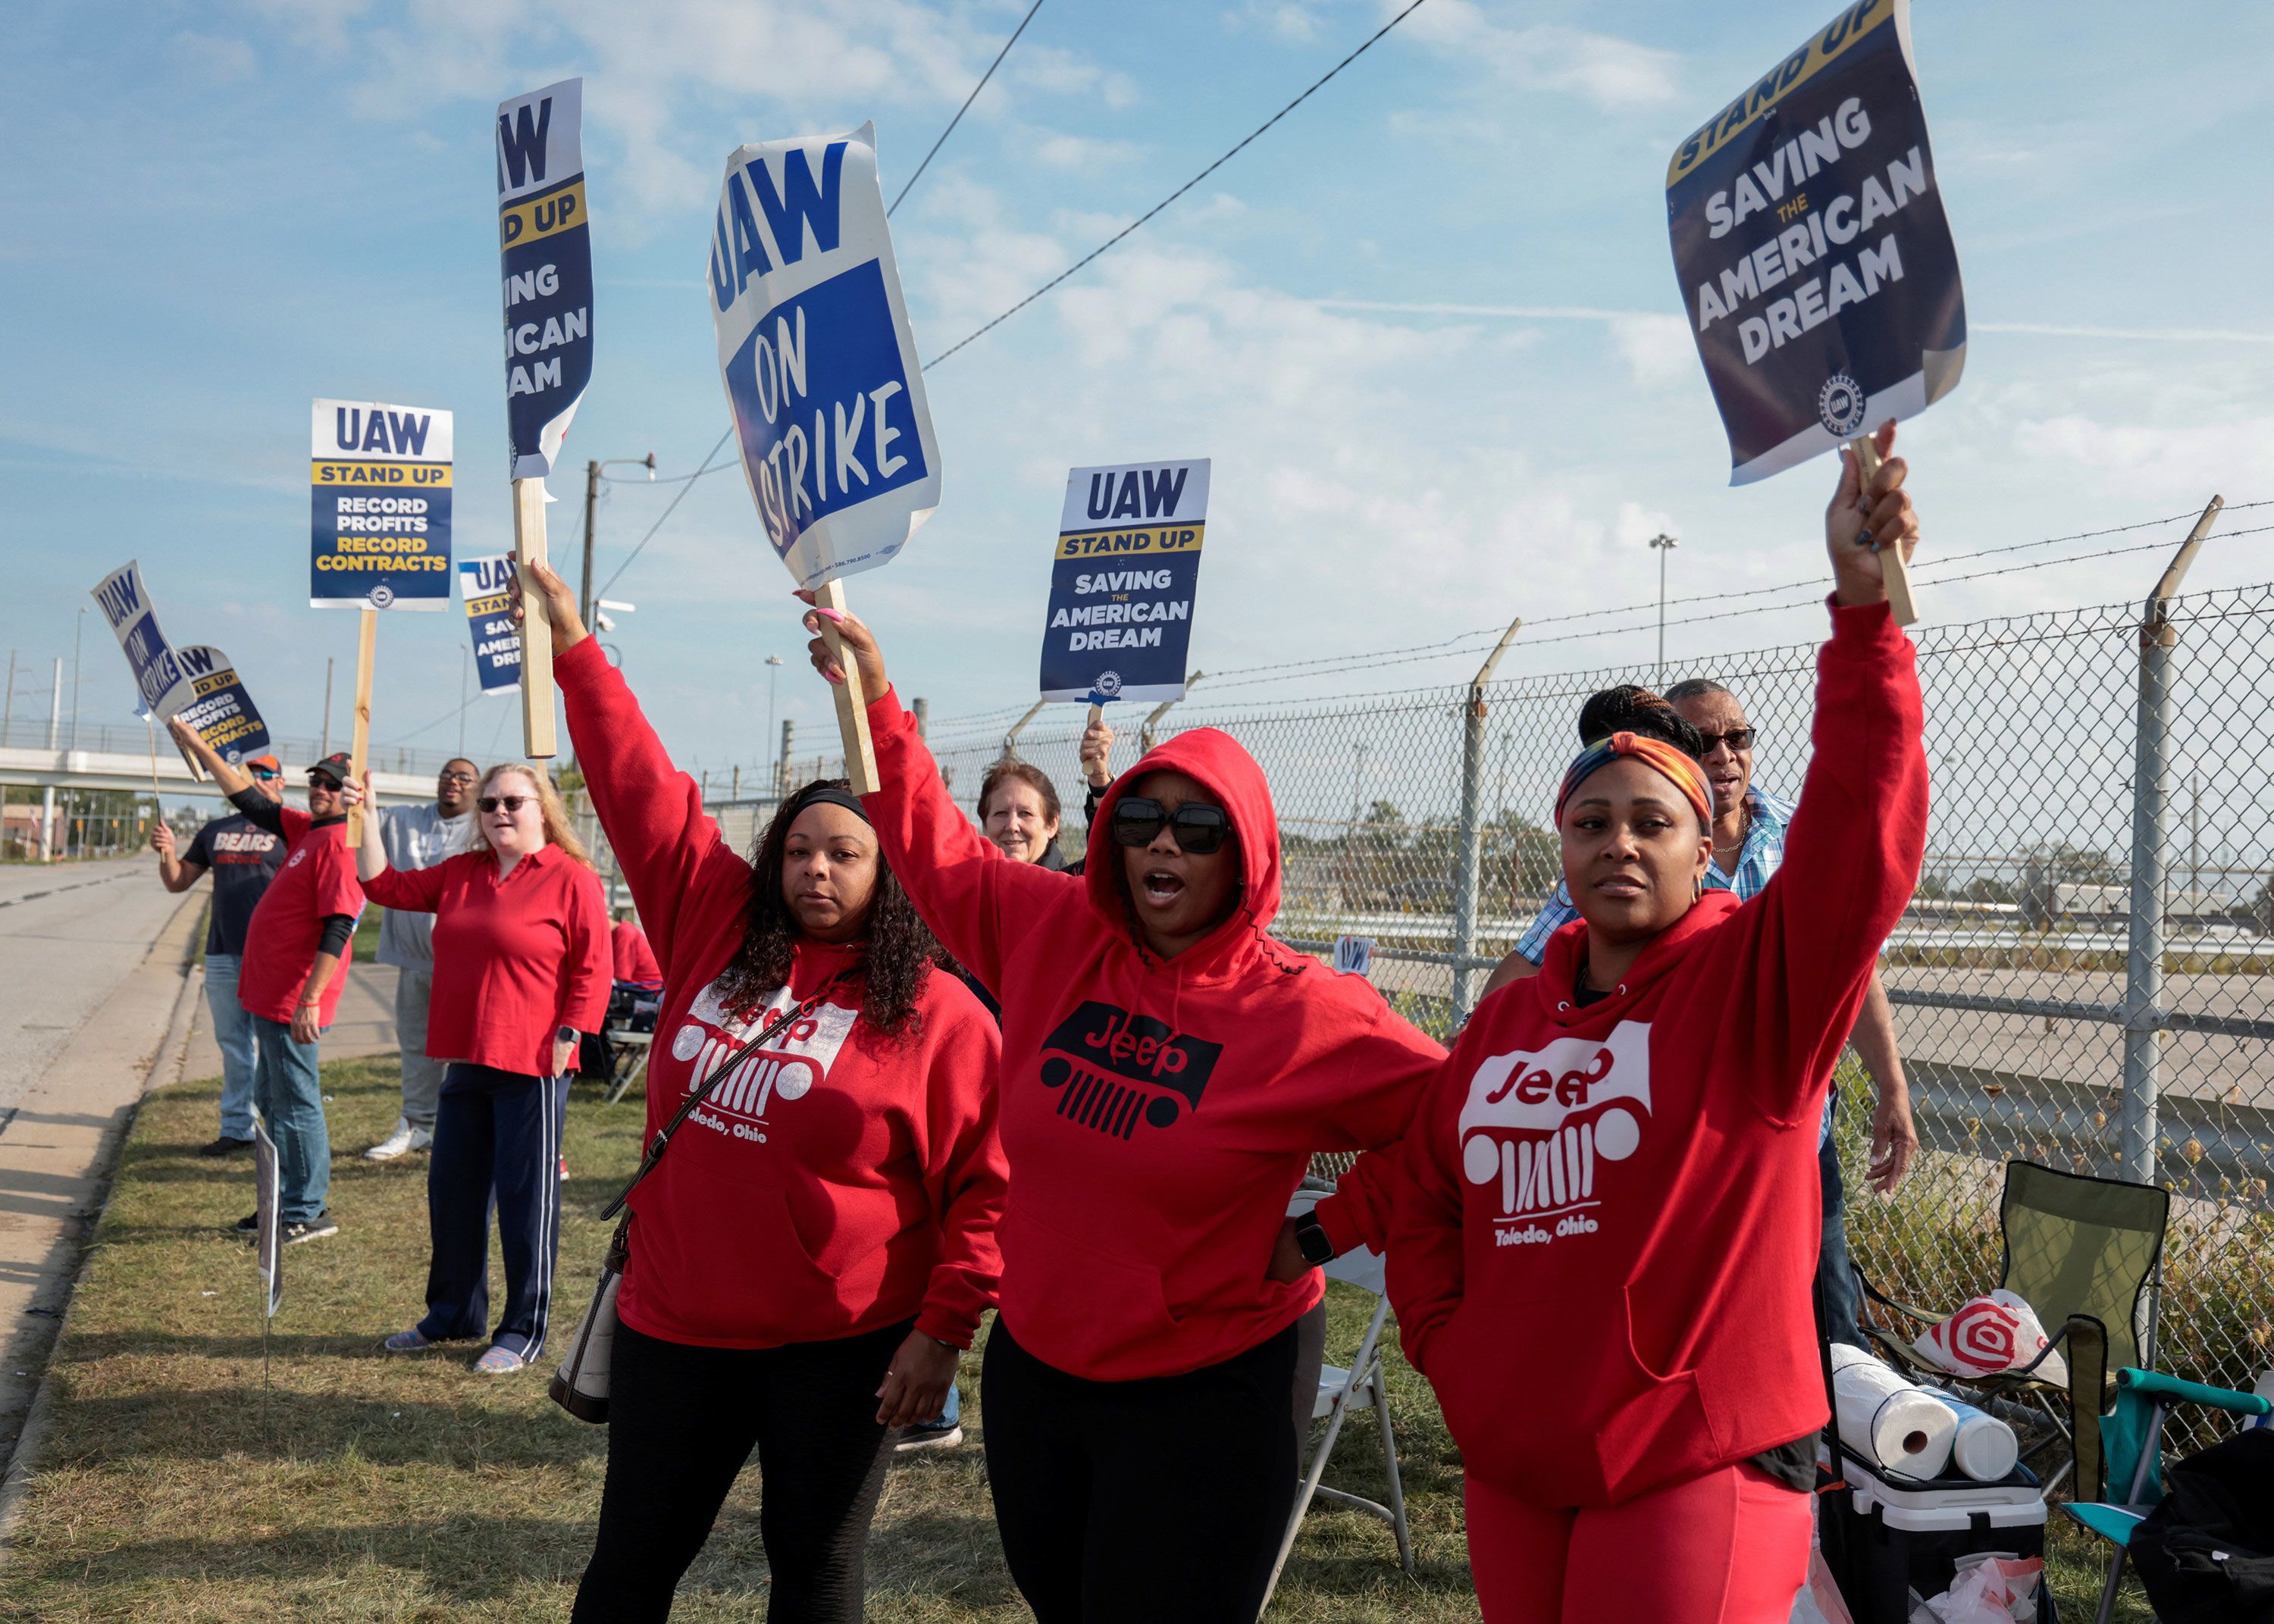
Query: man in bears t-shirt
(244, 858)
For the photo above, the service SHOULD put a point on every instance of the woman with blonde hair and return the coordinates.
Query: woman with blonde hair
(521, 970)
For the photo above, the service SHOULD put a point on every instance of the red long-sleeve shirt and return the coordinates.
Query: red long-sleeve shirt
(515, 959)
(1157, 1115)
(1603, 1255)
(841, 1180)
(635, 959)
(317, 883)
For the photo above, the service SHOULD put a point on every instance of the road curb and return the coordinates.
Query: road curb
(165, 1067)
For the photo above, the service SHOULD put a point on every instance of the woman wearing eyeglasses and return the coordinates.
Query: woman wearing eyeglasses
(1168, 1072)
(521, 968)
(1604, 1247)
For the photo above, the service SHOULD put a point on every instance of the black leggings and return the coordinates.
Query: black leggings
(681, 1420)
(1162, 1499)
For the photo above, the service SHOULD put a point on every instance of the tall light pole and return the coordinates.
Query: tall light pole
(1663, 544)
(773, 675)
(79, 633)
(591, 513)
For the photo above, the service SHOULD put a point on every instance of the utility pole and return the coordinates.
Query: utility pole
(1663, 544)
(782, 767)
(774, 677)
(55, 707)
(591, 516)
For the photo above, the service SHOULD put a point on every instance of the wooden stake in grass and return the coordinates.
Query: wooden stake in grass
(537, 741)
(359, 747)
(852, 702)
(1892, 561)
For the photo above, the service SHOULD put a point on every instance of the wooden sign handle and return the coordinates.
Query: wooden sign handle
(359, 746)
(852, 702)
(1892, 562)
(537, 740)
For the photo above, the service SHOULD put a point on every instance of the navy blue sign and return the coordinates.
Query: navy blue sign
(380, 496)
(217, 706)
(487, 586)
(1124, 577)
(134, 622)
(1816, 263)
(546, 245)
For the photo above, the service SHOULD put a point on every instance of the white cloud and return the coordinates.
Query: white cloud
(1658, 349)
(1080, 154)
(1614, 74)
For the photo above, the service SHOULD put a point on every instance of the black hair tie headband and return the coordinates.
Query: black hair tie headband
(835, 797)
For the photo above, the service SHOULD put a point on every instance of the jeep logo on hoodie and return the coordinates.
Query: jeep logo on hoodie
(1113, 1067)
(1540, 1122)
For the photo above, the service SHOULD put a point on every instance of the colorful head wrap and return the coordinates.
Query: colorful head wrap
(1685, 774)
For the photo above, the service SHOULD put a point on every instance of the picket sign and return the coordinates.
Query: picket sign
(359, 747)
(537, 740)
(1892, 561)
(822, 377)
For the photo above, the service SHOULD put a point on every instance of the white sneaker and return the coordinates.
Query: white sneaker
(405, 1139)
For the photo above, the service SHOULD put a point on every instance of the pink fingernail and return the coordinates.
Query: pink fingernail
(833, 677)
(832, 613)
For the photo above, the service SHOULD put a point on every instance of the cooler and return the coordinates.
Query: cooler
(1893, 1539)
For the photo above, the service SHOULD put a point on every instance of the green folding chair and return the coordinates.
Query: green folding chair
(2127, 1447)
(2080, 1251)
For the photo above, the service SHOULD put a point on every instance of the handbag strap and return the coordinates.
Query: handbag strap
(661, 1142)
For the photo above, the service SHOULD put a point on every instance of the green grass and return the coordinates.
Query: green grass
(180, 1484)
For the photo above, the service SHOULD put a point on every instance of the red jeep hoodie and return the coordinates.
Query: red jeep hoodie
(1602, 1256)
(835, 1182)
(1157, 1115)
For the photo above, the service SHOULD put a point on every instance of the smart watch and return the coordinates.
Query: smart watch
(1310, 1240)
(566, 1035)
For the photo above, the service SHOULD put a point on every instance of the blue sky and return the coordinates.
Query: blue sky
(1427, 327)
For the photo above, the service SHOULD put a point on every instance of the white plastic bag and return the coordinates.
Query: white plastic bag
(1989, 1587)
(1988, 1335)
(1819, 1601)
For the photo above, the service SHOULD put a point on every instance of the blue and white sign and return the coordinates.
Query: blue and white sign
(1126, 571)
(1815, 258)
(134, 622)
(487, 585)
(215, 704)
(819, 364)
(546, 245)
(380, 490)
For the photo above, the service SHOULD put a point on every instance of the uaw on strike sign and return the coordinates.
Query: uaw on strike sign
(380, 492)
(1125, 572)
(196, 683)
(814, 348)
(1814, 257)
(546, 245)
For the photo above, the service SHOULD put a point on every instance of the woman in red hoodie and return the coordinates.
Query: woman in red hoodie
(1168, 1072)
(1602, 1255)
(818, 1243)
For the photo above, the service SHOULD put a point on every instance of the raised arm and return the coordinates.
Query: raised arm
(652, 812)
(232, 781)
(976, 900)
(1853, 850)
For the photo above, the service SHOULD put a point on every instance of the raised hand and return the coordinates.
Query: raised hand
(854, 635)
(560, 604)
(1098, 754)
(1865, 517)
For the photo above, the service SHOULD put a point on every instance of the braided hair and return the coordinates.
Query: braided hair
(1628, 709)
(900, 953)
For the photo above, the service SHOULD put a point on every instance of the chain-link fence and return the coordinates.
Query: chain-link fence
(2085, 977)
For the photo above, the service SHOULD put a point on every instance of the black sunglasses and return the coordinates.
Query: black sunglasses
(323, 780)
(1199, 829)
(1737, 739)
(511, 803)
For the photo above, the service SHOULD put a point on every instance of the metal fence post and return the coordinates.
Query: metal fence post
(2143, 977)
(1011, 739)
(1469, 861)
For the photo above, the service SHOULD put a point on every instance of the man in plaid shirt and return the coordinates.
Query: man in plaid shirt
(1749, 825)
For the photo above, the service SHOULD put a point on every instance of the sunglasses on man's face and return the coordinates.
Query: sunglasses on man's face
(509, 803)
(1199, 829)
(265, 773)
(1738, 738)
(319, 780)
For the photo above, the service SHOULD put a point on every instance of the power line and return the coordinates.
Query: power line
(967, 101)
(1108, 243)
(686, 484)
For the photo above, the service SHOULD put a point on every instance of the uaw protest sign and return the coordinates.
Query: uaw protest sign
(1814, 257)
(215, 704)
(196, 683)
(1123, 574)
(133, 619)
(487, 585)
(380, 494)
(819, 364)
(546, 245)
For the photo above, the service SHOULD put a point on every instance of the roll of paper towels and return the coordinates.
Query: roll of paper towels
(1895, 1425)
(1984, 1448)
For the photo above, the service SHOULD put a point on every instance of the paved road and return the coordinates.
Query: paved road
(68, 933)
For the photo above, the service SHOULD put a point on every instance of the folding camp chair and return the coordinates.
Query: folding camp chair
(628, 1053)
(1360, 1386)
(2077, 1248)
(2127, 1449)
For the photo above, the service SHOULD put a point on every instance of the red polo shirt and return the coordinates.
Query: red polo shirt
(515, 959)
(635, 958)
(317, 880)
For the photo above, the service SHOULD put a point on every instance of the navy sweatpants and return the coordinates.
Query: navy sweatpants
(494, 1132)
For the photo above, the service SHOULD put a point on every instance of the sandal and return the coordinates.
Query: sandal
(407, 1342)
(497, 1361)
